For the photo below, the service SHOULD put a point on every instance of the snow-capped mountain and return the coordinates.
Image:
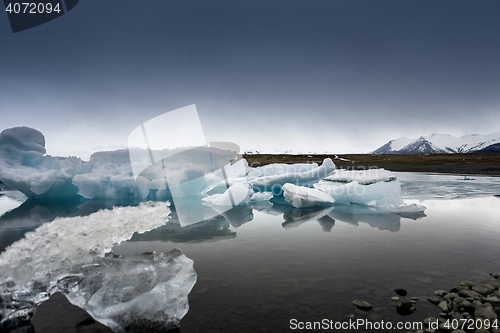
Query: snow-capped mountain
(442, 144)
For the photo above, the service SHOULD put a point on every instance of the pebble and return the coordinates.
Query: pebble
(400, 291)
(440, 292)
(395, 298)
(434, 300)
(443, 305)
(362, 305)
(405, 308)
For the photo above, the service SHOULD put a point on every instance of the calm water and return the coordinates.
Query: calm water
(260, 268)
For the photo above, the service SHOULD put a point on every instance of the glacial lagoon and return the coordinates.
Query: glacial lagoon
(259, 267)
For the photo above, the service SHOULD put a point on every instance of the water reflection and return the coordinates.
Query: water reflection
(214, 229)
(32, 214)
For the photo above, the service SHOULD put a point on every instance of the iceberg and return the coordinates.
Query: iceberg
(274, 182)
(261, 196)
(381, 194)
(108, 175)
(299, 196)
(195, 175)
(236, 194)
(22, 144)
(279, 169)
(363, 177)
(73, 256)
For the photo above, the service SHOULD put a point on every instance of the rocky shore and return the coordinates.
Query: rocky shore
(468, 307)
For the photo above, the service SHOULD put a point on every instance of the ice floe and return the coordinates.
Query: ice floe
(297, 176)
(363, 177)
(299, 196)
(72, 256)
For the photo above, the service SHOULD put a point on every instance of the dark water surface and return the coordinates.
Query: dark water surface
(257, 270)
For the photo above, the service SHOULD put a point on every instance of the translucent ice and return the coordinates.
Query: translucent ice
(236, 194)
(294, 176)
(109, 175)
(72, 256)
(363, 177)
(299, 196)
(381, 194)
(279, 169)
(261, 196)
(21, 144)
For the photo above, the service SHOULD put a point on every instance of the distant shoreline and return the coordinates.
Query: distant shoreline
(460, 164)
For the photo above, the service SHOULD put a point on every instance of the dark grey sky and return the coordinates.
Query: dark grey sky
(342, 76)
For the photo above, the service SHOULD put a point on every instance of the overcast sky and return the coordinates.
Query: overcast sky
(322, 75)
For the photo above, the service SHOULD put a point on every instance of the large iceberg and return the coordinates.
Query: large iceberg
(73, 256)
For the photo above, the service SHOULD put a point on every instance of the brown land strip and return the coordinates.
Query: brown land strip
(487, 164)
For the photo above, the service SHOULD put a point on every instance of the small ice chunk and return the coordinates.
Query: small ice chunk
(299, 196)
(261, 196)
(412, 208)
(363, 177)
(236, 194)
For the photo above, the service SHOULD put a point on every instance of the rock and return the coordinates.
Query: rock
(483, 289)
(481, 330)
(455, 315)
(470, 293)
(450, 296)
(434, 300)
(401, 291)
(415, 298)
(440, 292)
(405, 308)
(395, 298)
(475, 304)
(492, 300)
(458, 331)
(465, 304)
(362, 305)
(485, 312)
(467, 283)
(443, 305)
(87, 324)
(496, 275)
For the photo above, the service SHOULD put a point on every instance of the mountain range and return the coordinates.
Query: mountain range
(442, 144)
